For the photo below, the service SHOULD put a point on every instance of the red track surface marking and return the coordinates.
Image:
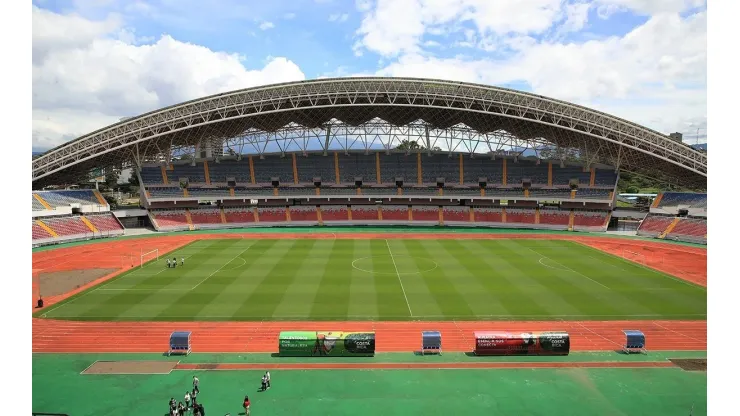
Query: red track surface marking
(100, 256)
(88, 337)
(78, 336)
(418, 366)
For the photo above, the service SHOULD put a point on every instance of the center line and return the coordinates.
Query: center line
(399, 277)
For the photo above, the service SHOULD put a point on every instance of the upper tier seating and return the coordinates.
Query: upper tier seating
(222, 171)
(562, 176)
(483, 167)
(357, 165)
(194, 174)
(152, 175)
(273, 167)
(461, 191)
(525, 169)
(209, 192)
(339, 191)
(558, 193)
(165, 192)
(692, 200)
(315, 165)
(398, 166)
(440, 166)
(590, 193)
(36, 205)
(423, 191)
(65, 198)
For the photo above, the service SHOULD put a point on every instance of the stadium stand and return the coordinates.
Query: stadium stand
(152, 175)
(105, 222)
(505, 192)
(395, 212)
(194, 174)
(605, 177)
(592, 193)
(364, 213)
(272, 214)
(456, 214)
(209, 192)
(590, 220)
(654, 225)
(39, 233)
(335, 213)
(563, 176)
(398, 166)
(296, 191)
(440, 166)
(316, 165)
(170, 220)
(556, 193)
(338, 191)
(67, 226)
(488, 215)
(425, 213)
(676, 199)
(516, 172)
(380, 190)
(551, 216)
(65, 198)
(461, 191)
(520, 216)
(474, 169)
(202, 216)
(221, 172)
(239, 215)
(273, 167)
(161, 192)
(690, 230)
(419, 190)
(303, 213)
(357, 165)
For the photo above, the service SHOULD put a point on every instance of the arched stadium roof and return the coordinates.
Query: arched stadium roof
(376, 113)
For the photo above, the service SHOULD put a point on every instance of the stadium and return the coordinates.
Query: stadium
(375, 213)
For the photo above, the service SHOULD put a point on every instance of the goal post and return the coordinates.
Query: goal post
(149, 256)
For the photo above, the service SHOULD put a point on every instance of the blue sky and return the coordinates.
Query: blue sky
(96, 61)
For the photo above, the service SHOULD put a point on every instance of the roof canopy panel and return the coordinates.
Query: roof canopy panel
(375, 111)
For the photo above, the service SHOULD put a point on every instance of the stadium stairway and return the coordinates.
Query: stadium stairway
(41, 201)
(90, 225)
(189, 218)
(47, 228)
(223, 215)
(670, 228)
(100, 198)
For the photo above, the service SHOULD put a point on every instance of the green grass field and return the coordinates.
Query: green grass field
(283, 279)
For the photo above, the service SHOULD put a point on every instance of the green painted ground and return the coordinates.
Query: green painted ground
(270, 279)
(59, 387)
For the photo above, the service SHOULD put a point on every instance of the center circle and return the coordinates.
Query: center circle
(399, 264)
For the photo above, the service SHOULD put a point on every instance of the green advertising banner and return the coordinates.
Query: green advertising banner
(326, 344)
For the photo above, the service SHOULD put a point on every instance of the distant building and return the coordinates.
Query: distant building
(677, 137)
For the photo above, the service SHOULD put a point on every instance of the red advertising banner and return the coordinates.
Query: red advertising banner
(522, 343)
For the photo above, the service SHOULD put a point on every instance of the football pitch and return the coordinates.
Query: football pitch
(394, 279)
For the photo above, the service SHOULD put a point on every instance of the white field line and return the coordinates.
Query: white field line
(460, 318)
(676, 332)
(222, 266)
(599, 335)
(634, 263)
(399, 277)
(566, 267)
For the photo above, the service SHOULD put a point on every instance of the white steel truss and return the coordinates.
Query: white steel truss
(368, 114)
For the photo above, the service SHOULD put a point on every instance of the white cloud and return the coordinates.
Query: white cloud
(338, 17)
(266, 25)
(655, 75)
(648, 7)
(86, 75)
(289, 16)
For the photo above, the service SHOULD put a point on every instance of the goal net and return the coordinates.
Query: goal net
(149, 256)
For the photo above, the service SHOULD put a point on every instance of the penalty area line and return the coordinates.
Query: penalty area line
(222, 266)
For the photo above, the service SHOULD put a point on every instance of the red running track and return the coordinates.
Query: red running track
(57, 336)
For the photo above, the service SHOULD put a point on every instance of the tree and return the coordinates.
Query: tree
(133, 180)
(111, 179)
(413, 145)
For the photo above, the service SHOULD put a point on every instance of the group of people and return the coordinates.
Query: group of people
(191, 402)
(265, 381)
(173, 262)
